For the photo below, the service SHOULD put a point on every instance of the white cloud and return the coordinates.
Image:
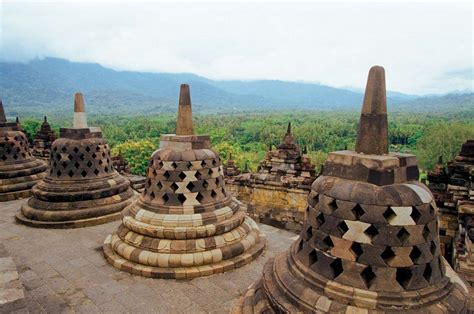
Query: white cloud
(332, 43)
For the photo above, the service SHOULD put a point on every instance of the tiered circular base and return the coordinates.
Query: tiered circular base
(75, 204)
(183, 246)
(16, 180)
(288, 286)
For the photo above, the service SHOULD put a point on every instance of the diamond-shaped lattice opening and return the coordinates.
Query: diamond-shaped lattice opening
(312, 257)
(159, 185)
(64, 164)
(152, 195)
(211, 172)
(94, 155)
(88, 149)
(320, 219)
(415, 254)
(76, 165)
(75, 149)
(160, 164)
(389, 214)
(358, 211)
(426, 232)
(432, 210)
(71, 173)
(203, 163)
(189, 165)
(166, 175)
(190, 186)
(15, 156)
(82, 157)
(217, 181)
(427, 272)
(182, 175)
(106, 169)
(205, 184)
(433, 248)
(4, 157)
(368, 276)
(387, 254)
(64, 149)
(308, 233)
(59, 173)
(198, 175)
(96, 172)
(199, 197)
(403, 276)
(371, 231)
(213, 194)
(181, 198)
(342, 227)
(174, 187)
(214, 162)
(165, 197)
(100, 162)
(316, 199)
(403, 235)
(174, 165)
(328, 244)
(70, 157)
(356, 250)
(332, 205)
(336, 267)
(415, 214)
(300, 246)
(84, 173)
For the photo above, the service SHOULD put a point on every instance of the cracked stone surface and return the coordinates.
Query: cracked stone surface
(64, 271)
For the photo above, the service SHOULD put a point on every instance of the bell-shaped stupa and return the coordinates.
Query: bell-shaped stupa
(19, 170)
(185, 224)
(370, 240)
(82, 188)
(43, 141)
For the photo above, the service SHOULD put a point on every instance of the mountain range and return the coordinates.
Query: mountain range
(46, 86)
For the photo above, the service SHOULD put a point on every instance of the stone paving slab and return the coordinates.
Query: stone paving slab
(64, 271)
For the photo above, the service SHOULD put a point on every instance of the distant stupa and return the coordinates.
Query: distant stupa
(19, 170)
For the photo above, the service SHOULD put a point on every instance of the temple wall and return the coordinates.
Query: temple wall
(274, 205)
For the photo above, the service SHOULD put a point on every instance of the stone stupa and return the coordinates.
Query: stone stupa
(82, 188)
(185, 224)
(370, 240)
(43, 141)
(19, 170)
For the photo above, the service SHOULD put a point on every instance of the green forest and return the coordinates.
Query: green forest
(248, 136)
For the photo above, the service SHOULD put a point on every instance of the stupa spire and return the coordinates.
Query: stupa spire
(288, 129)
(80, 119)
(45, 119)
(3, 118)
(185, 114)
(372, 137)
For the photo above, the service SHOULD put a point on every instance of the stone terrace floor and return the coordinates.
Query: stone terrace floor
(64, 271)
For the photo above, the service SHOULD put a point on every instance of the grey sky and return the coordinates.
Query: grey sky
(424, 47)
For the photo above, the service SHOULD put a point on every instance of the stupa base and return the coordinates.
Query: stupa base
(182, 272)
(11, 196)
(282, 289)
(88, 222)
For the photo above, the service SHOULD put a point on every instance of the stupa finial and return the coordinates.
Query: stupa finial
(80, 119)
(3, 118)
(45, 119)
(184, 124)
(372, 137)
(288, 129)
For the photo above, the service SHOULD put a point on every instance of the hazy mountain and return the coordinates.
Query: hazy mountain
(46, 86)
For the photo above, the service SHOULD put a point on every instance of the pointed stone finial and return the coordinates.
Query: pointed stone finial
(345, 146)
(230, 156)
(45, 119)
(270, 147)
(288, 129)
(184, 124)
(3, 118)
(17, 120)
(440, 160)
(80, 119)
(305, 149)
(372, 137)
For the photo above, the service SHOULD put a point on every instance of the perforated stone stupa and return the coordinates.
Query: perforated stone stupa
(370, 240)
(43, 141)
(82, 188)
(185, 224)
(19, 170)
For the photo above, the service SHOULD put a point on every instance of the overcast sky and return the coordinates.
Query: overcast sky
(425, 47)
